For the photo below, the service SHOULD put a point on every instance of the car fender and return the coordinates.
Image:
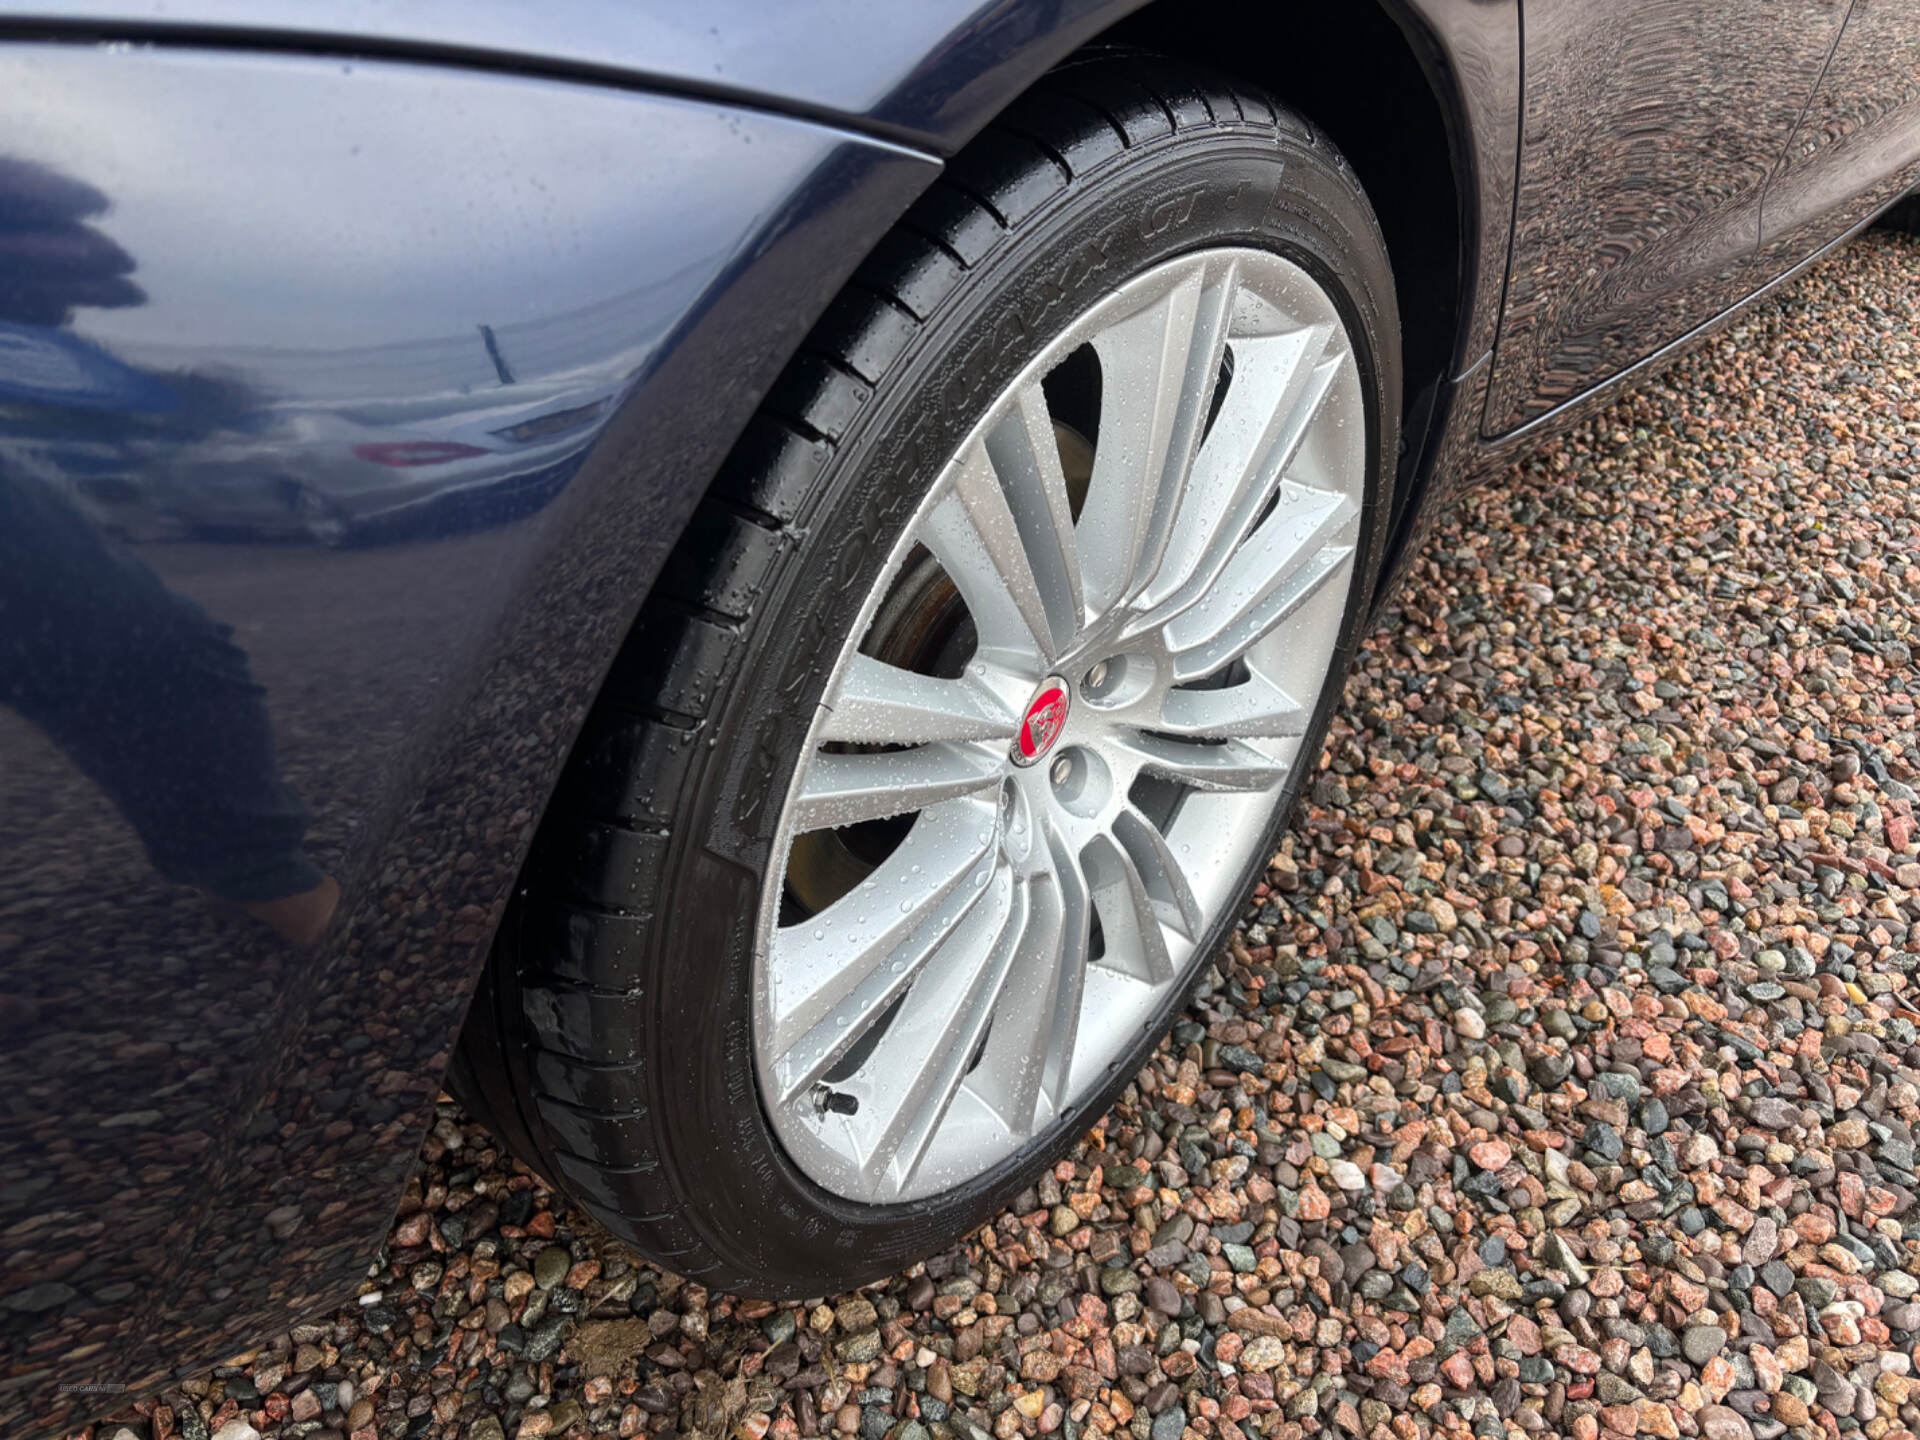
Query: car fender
(213, 1129)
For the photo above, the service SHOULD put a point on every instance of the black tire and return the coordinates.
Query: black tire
(612, 1044)
(1902, 215)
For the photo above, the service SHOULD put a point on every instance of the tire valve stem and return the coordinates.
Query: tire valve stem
(834, 1102)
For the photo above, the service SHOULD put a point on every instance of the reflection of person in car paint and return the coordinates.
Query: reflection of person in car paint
(144, 691)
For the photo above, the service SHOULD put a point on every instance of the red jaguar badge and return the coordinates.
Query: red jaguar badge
(1046, 717)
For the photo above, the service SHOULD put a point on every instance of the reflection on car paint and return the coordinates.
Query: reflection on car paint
(206, 1133)
(261, 282)
(323, 444)
(1649, 130)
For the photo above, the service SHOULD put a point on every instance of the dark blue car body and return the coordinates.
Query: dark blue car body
(401, 340)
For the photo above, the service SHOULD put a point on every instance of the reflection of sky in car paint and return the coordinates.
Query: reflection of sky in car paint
(747, 44)
(175, 172)
(614, 334)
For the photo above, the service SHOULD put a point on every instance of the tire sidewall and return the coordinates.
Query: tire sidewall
(774, 1229)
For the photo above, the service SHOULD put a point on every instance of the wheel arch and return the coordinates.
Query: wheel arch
(1422, 97)
(1388, 100)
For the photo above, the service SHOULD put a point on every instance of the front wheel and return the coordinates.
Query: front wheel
(972, 700)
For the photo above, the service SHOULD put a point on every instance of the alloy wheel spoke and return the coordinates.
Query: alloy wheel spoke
(1256, 708)
(872, 990)
(927, 1051)
(1165, 882)
(972, 532)
(1012, 1066)
(1025, 453)
(1135, 943)
(846, 789)
(878, 703)
(1158, 372)
(1234, 765)
(1076, 923)
(882, 931)
(1253, 593)
(1199, 381)
(1279, 384)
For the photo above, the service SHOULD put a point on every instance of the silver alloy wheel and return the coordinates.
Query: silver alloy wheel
(1080, 802)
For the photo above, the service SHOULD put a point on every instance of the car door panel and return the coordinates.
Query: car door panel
(1648, 133)
(235, 283)
(1857, 148)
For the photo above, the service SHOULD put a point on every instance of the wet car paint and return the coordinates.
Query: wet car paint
(209, 1130)
(1856, 149)
(928, 74)
(1650, 128)
(1848, 185)
(206, 1129)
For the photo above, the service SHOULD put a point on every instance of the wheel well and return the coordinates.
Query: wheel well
(1352, 70)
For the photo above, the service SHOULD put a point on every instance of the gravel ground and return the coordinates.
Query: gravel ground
(1560, 1078)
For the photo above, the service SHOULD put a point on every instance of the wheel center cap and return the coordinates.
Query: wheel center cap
(1045, 718)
